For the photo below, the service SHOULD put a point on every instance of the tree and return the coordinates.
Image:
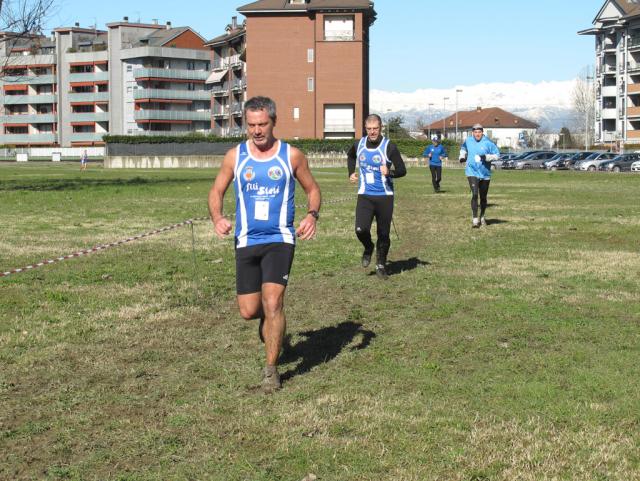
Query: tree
(584, 103)
(395, 129)
(565, 141)
(22, 20)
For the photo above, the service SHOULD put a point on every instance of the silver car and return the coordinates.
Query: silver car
(534, 160)
(592, 162)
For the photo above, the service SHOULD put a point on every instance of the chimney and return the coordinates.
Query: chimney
(168, 25)
(234, 23)
(125, 19)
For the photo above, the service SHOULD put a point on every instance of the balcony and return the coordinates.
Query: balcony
(235, 62)
(28, 79)
(610, 113)
(30, 99)
(90, 117)
(633, 43)
(171, 74)
(339, 127)
(28, 139)
(609, 91)
(633, 112)
(220, 64)
(220, 90)
(172, 94)
(28, 119)
(87, 136)
(170, 133)
(89, 77)
(220, 112)
(339, 36)
(89, 97)
(236, 109)
(176, 115)
(237, 85)
(609, 69)
(633, 134)
(633, 89)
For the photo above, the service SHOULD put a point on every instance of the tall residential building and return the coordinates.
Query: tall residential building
(312, 58)
(616, 29)
(134, 78)
(228, 80)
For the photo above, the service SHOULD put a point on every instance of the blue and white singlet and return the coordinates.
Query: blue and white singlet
(265, 190)
(372, 182)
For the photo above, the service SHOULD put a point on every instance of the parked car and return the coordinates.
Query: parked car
(573, 163)
(592, 162)
(535, 160)
(557, 161)
(635, 167)
(620, 163)
(498, 164)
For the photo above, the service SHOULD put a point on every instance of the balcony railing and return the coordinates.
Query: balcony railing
(170, 133)
(220, 111)
(339, 127)
(28, 138)
(178, 115)
(633, 112)
(339, 35)
(86, 136)
(167, 73)
(28, 119)
(28, 79)
(221, 89)
(89, 97)
(172, 94)
(30, 99)
(633, 42)
(89, 77)
(90, 117)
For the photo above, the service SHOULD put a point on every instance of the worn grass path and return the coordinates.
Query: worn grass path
(508, 352)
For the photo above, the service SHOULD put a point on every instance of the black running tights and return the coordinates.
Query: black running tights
(380, 207)
(479, 187)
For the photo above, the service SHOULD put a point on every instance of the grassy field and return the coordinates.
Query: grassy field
(505, 353)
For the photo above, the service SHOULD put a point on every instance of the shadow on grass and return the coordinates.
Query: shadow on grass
(397, 267)
(496, 221)
(321, 346)
(78, 183)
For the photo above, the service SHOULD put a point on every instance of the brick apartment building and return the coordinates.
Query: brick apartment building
(312, 58)
(616, 30)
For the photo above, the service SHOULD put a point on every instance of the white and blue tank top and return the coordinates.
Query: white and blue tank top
(372, 182)
(265, 191)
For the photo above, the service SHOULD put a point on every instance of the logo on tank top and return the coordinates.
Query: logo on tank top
(376, 159)
(249, 174)
(362, 158)
(275, 173)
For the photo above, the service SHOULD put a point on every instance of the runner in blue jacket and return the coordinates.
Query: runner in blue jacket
(478, 152)
(435, 153)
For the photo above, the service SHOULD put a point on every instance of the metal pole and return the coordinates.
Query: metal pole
(444, 117)
(586, 114)
(457, 92)
(429, 117)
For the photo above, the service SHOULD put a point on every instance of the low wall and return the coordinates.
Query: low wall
(214, 161)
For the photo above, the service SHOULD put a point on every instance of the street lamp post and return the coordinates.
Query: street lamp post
(429, 117)
(444, 118)
(586, 113)
(457, 92)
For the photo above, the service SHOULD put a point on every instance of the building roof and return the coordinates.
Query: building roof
(629, 7)
(226, 37)
(160, 38)
(491, 118)
(309, 5)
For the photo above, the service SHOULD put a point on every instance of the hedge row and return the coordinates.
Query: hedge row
(408, 147)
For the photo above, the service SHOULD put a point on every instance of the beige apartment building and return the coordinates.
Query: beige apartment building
(616, 30)
(312, 58)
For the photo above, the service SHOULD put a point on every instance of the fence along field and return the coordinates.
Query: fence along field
(504, 353)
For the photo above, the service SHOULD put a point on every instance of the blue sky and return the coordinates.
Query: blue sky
(414, 43)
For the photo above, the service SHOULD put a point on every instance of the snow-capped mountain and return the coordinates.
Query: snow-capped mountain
(547, 103)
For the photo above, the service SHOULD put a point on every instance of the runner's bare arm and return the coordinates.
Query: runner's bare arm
(307, 228)
(216, 195)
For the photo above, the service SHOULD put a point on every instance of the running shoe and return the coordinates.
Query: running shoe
(483, 221)
(270, 380)
(381, 272)
(475, 223)
(366, 258)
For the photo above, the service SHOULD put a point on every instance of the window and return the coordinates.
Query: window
(191, 86)
(310, 55)
(338, 27)
(310, 84)
(129, 68)
(339, 119)
(191, 65)
(296, 113)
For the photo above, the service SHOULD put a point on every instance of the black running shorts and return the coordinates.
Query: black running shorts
(256, 265)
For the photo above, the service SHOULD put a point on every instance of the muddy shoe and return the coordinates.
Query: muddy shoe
(381, 272)
(366, 258)
(270, 380)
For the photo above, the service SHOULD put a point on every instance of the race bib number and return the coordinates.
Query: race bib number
(369, 178)
(261, 211)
